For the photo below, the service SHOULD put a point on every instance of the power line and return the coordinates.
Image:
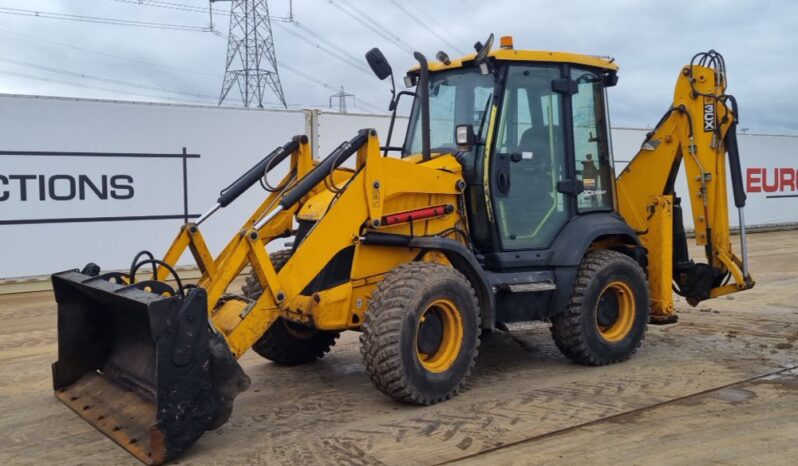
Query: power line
(322, 44)
(102, 79)
(174, 6)
(95, 19)
(352, 59)
(328, 49)
(87, 86)
(119, 57)
(306, 76)
(366, 21)
(435, 21)
(191, 8)
(328, 86)
(425, 26)
(15, 11)
(360, 102)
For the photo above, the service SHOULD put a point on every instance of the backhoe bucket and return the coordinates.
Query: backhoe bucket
(144, 369)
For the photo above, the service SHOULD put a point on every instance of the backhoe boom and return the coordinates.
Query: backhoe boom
(697, 131)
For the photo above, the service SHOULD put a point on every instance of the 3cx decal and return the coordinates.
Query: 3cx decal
(709, 115)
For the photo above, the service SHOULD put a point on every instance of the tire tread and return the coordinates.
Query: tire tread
(566, 328)
(380, 341)
(277, 345)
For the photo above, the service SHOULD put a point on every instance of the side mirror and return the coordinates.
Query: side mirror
(482, 54)
(610, 79)
(483, 50)
(378, 63)
(464, 137)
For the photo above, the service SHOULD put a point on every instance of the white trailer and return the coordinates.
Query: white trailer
(99, 180)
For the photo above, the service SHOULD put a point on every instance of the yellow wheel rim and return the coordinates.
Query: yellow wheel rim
(615, 311)
(439, 335)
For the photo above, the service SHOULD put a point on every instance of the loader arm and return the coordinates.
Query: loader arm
(697, 132)
(137, 358)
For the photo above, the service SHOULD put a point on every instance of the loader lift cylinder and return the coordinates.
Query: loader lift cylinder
(324, 169)
(245, 181)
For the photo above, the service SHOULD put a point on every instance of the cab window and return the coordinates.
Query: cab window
(529, 160)
(592, 149)
(456, 97)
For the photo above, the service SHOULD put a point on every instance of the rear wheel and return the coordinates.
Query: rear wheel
(606, 318)
(421, 333)
(285, 342)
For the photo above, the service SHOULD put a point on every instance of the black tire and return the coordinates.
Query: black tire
(595, 328)
(436, 367)
(287, 343)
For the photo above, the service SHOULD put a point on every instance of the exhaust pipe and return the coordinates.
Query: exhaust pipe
(423, 93)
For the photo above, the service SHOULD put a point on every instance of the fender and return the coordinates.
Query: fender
(572, 244)
(580, 232)
(464, 261)
(461, 258)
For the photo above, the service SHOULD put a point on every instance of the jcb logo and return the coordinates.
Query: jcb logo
(709, 116)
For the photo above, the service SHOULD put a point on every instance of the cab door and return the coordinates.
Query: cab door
(529, 160)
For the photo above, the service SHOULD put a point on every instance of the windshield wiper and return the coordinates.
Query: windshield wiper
(482, 118)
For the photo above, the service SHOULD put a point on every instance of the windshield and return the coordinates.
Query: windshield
(456, 97)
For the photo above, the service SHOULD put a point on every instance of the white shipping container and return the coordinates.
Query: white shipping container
(87, 180)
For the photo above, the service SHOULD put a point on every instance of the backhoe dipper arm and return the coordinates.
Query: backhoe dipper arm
(698, 129)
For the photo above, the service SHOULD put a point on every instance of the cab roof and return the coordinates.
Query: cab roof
(503, 54)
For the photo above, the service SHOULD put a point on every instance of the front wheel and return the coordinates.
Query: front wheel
(421, 333)
(606, 317)
(287, 343)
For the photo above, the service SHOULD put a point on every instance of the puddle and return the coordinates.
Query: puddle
(734, 395)
(731, 395)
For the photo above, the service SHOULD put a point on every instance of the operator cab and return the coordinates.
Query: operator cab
(540, 129)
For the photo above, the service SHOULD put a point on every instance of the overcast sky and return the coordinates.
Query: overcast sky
(649, 40)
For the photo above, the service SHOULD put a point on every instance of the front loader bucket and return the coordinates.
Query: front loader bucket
(144, 369)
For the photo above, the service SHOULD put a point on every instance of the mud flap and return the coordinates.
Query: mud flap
(144, 369)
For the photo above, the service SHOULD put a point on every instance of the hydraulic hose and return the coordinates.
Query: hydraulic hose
(136, 261)
(163, 264)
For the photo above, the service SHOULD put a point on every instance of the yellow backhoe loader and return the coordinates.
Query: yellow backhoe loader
(500, 206)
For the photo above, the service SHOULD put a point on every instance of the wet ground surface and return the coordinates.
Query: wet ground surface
(718, 387)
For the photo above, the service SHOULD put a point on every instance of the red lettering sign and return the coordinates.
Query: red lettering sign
(753, 180)
(758, 180)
